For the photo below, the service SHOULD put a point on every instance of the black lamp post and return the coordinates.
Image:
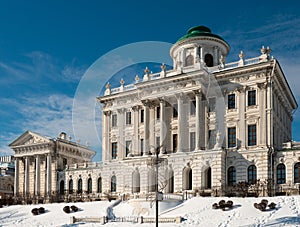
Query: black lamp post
(156, 188)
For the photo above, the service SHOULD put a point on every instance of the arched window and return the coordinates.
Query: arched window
(297, 173)
(99, 185)
(136, 181)
(252, 174)
(79, 186)
(231, 176)
(189, 60)
(151, 180)
(70, 186)
(187, 178)
(89, 186)
(113, 184)
(209, 60)
(208, 178)
(280, 174)
(62, 187)
(169, 181)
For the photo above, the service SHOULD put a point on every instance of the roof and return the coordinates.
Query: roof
(199, 31)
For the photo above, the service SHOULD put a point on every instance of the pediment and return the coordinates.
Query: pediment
(29, 138)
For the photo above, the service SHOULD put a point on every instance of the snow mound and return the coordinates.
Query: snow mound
(195, 212)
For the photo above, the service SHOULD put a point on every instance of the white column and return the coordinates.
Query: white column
(135, 142)
(261, 128)
(146, 127)
(198, 120)
(26, 175)
(16, 183)
(121, 140)
(152, 136)
(48, 174)
(105, 135)
(180, 122)
(201, 55)
(269, 114)
(37, 175)
(163, 127)
(196, 54)
(242, 123)
(216, 57)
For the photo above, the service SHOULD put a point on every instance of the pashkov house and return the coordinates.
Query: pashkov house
(212, 125)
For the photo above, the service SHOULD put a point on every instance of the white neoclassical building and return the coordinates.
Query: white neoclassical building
(213, 123)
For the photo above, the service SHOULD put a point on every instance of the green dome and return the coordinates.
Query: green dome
(199, 31)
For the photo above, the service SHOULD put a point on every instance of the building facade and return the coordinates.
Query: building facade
(7, 172)
(39, 161)
(213, 124)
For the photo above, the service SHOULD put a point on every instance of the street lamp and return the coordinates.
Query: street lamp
(155, 162)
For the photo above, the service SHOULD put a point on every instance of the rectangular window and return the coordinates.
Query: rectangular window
(128, 146)
(175, 110)
(251, 135)
(212, 104)
(192, 141)
(157, 112)
(128, 118)
(232, 137)
(142, 116)
(231, 101)
(252, 98)
(157, 141)
(114, 120)
(114, 150)
(142, 146)
(174, 142)
(193, 107)
(211, 138)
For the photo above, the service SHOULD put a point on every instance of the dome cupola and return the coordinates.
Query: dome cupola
(199, 48)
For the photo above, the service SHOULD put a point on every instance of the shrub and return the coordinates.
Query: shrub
(66, 209)
(35, 211)
(74, 208)
(41, 210)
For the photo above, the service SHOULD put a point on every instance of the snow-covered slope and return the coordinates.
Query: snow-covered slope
(196, 212)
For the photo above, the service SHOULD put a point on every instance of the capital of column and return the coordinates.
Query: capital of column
(146, 102)
(107, 113)
(262, 85)
(121, 110)
(136, 108)
(179, 96)
(197, 92)
(162, 101)
(243, 89)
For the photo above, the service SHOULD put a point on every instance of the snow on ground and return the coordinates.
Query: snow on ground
(195, 212)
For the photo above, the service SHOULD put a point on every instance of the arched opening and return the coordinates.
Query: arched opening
(79, 186)
(70, 186)
(231, 176)
(251, 174)
(280, 174)
(136, 182)
(209, 60)
(187, 178)
(151, 180)
(99, 185)
(208, 178)
(189, 60)
(113, 184)
(170, 181)
(297, 173)
(89, 186)
(62, 187)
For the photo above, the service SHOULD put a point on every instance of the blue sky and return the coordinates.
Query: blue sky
(47, 46)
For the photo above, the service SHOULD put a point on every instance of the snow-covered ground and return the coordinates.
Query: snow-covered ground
(196, 212)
